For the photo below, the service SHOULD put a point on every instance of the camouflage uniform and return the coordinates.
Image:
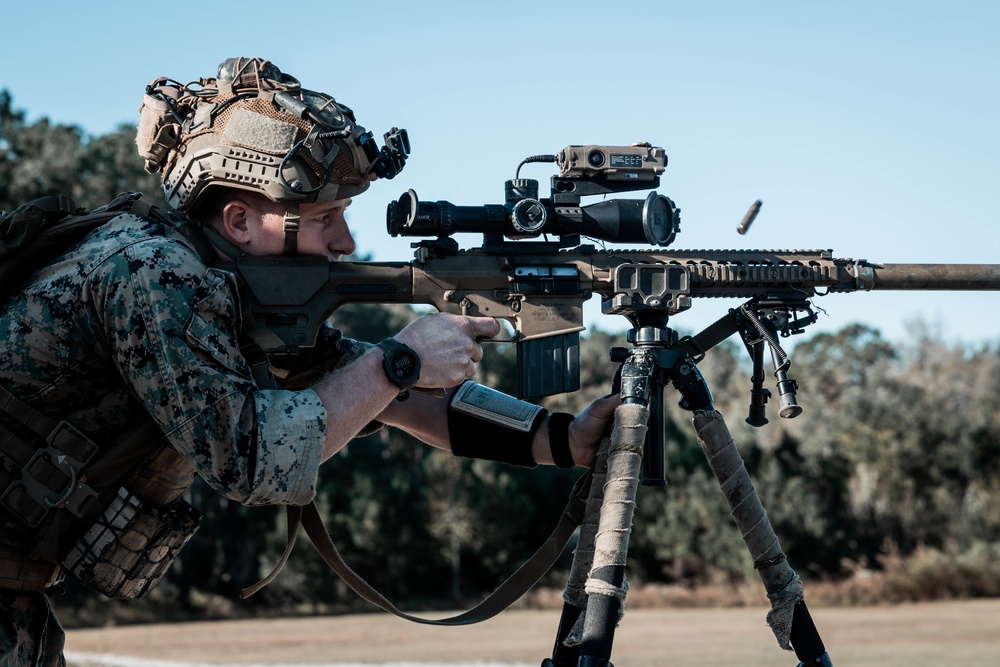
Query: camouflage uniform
(131, 322)
(30, 635)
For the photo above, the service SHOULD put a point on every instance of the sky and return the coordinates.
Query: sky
(867, 128)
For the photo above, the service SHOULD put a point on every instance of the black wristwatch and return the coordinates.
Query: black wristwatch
(401, 365)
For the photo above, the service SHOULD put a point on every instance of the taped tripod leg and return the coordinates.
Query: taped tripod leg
(606, 586)
(566, 651)
(789, 619)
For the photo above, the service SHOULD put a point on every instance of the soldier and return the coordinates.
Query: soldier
(139, 345)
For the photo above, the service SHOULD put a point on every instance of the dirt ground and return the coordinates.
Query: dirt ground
(932, 634)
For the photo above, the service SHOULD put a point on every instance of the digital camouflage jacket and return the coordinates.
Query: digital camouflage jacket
(131, 322)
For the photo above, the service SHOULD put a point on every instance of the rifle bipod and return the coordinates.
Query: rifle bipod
(595, 592)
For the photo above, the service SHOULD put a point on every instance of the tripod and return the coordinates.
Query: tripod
(595, 593)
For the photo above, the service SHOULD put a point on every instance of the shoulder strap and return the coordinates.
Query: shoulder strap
(37, 232)
(19, 228)
(38, 423)
(506, 594)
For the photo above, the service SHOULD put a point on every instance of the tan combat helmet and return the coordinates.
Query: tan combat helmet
(256, 128)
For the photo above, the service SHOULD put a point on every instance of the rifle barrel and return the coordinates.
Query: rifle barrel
(937, 276)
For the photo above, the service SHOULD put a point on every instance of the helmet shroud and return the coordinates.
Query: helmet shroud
(255, 128)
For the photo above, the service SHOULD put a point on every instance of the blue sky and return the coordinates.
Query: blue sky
(869, 128)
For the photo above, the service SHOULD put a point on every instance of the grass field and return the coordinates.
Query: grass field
(916, 635)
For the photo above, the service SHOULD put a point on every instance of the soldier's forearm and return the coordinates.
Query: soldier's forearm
(354, 397)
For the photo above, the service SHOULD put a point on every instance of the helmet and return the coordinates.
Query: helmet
(255, 128)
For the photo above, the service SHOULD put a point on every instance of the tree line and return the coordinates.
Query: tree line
(898, 452)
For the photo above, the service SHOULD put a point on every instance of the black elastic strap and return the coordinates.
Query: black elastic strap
(559, 439)
(37, 422)
(292, 220)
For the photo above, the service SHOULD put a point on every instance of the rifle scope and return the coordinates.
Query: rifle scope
(650, 221)
(586, 170)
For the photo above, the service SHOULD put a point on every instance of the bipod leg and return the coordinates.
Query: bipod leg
(789, 618)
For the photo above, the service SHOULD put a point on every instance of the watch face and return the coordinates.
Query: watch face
(403, 364)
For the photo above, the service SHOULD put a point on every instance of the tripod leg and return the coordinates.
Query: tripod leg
(566, 651)
(606, 586)
(789, 619)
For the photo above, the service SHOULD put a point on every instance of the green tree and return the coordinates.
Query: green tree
(839, 375)
(109, 165)
(925, 450)
(35, 159)
(41, 158)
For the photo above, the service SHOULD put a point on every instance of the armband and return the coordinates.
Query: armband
(484, 423)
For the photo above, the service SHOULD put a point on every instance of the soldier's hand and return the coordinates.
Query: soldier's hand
(448, 346)
(586, 430)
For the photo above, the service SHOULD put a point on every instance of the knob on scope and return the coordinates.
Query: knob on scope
(527, 213)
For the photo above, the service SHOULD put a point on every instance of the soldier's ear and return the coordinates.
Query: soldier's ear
(236, 226)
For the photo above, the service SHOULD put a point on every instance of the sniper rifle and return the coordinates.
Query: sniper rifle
(539, 287)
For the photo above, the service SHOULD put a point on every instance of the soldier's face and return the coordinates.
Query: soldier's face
(322, 231)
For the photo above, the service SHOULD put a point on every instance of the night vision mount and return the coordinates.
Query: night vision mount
(584, 171)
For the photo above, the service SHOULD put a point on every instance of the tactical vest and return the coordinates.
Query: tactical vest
(111, 515)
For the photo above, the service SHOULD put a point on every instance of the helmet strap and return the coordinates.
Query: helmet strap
(292, 229)
(221, 242)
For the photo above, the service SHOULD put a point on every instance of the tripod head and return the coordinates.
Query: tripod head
(660, 356)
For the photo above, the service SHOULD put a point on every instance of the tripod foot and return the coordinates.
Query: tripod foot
(593, 661)
(822, 661)
(584, 661)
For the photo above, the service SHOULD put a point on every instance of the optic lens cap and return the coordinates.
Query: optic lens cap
(660, 220)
